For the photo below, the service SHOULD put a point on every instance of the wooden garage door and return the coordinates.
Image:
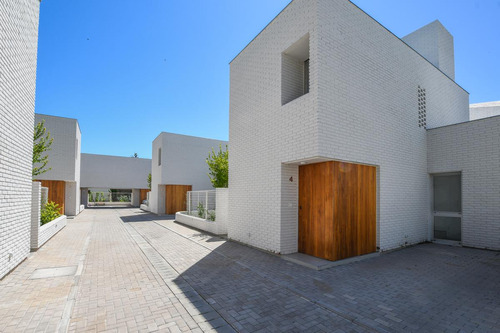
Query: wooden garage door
(175, 198)
(57, 192)
(337, 210)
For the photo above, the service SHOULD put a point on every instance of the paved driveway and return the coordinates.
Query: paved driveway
(140, 272)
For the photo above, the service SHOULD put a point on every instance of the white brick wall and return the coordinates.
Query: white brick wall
(474, 149)
(484, 110)
(36, 198)
(362, 107)
(47, 231)
(435, 43)
(18, 54)
(182, 163)
(221, 208)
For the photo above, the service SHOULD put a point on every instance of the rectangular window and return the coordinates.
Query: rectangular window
(159, 156)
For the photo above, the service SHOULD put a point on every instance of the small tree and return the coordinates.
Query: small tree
(41, 143)
(149, 181)
(135, 155)
(219, 167)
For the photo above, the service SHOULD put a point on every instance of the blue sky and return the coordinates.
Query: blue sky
(129, 70)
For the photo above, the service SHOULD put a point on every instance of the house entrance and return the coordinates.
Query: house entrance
(447, 206)
(337, 210)
(175, 198)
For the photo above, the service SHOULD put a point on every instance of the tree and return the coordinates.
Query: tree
(219, 167)
(149, 181)
(135, 155)
(41, 144)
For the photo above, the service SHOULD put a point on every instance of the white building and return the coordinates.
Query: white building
(329, 114)
(179, 165)
(484, 110)
(63, 178)
(115, 172)
(19, 26)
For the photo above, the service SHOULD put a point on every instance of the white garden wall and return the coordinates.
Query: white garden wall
(39, 235)
(48, 230)
(19, 35)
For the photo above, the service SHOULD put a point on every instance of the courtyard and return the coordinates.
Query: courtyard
(124, 270)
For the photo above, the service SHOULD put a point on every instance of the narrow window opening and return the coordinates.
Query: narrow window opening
(159, 156)
(295, 70)
(306, 76)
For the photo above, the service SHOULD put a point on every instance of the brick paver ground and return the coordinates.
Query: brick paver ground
(141, 272)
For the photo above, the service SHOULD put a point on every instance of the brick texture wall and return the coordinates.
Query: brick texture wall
(473, 149)
(362, 107)
(18, 54)
(36, 199)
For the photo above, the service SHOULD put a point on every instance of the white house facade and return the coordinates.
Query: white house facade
(63, 178)
(179, 165)
(115, 172)
(19, 28)
(327, 95)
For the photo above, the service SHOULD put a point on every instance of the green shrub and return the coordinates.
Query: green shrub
(211, 215)
(201, 210)
(49, 212)
(123, 198)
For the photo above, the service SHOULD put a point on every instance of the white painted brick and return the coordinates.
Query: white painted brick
(64, 158)
(183, 162)
(361, 107)
(474, 149)
(18, 54)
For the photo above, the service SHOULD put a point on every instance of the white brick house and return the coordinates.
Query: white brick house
(323, 82)
(179, 160)
(19, 31)
(114, 172)
(484, 110)
(64, 161)
(472, 149)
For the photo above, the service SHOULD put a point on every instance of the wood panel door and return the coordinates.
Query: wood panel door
(316, 210)
(337, 210)
(355, 209)
(175, 198)
(143, 195)
(57, 192)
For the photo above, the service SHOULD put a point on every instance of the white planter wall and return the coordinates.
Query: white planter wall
(41, 234)
(212, 227)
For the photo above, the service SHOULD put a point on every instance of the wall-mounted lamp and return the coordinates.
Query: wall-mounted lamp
(291, 179)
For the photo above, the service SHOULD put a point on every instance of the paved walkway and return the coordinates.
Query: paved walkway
(140, 272)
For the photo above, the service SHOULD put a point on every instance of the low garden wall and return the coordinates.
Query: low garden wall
(213, 227)
(41, 234)
(47, 231)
